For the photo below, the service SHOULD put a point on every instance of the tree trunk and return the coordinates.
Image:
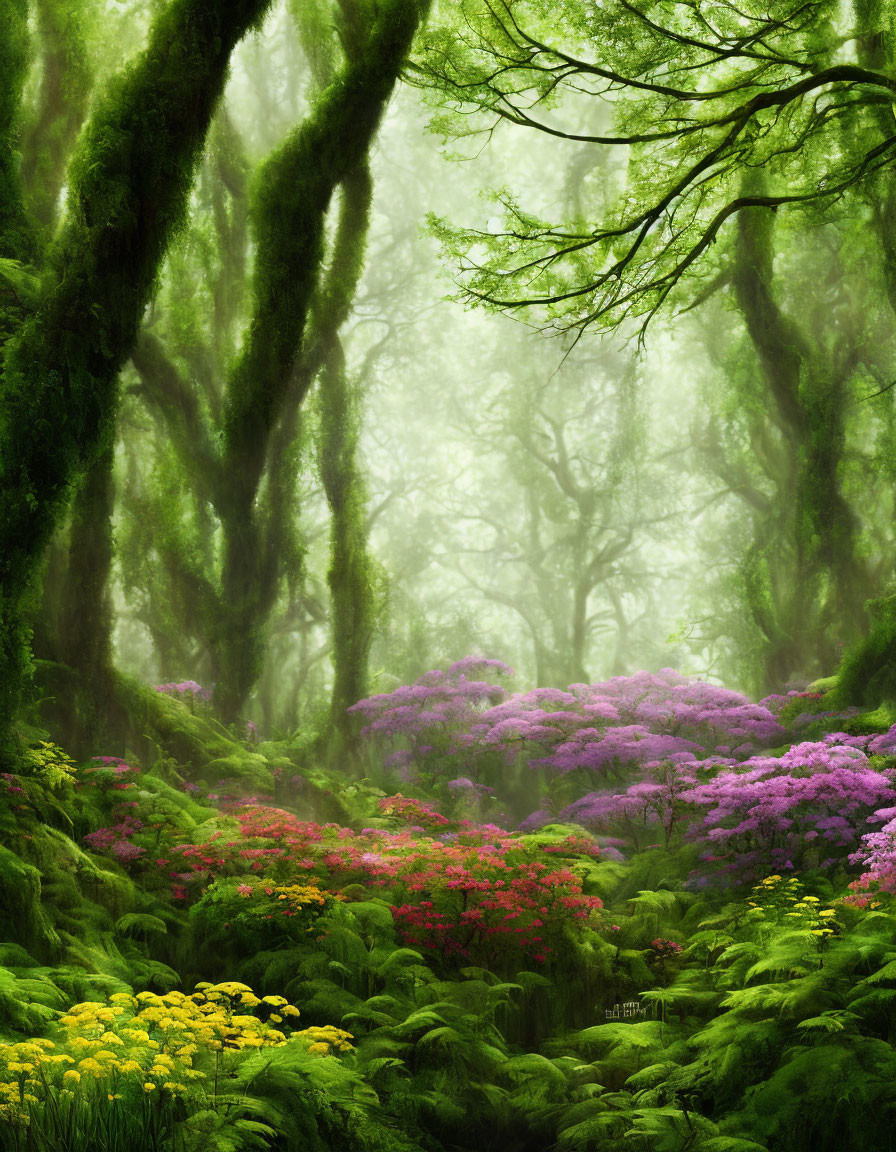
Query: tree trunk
(129, 182)
(268, 384)
(82, 712)
(353, 600)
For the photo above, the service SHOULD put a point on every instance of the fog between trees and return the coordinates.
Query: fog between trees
(578, 492)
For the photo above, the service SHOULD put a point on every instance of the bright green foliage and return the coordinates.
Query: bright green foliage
(735, 179)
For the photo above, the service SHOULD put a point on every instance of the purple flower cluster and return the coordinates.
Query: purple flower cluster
(603, 728)
(464, 786)
(437, 699)
(800, 809)
(876, 854)
(653, 801)
(698, 753)
(186, 689)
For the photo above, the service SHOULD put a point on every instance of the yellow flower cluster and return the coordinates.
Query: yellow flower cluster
(145, 1042)
(23, 1067)
(300, 896)
(328, 1039)
(785, 899)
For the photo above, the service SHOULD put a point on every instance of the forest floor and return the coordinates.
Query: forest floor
(688, 946)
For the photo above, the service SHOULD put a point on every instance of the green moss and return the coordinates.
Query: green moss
(22, 919)
(867, 674)
(16, 235)
(157, 721)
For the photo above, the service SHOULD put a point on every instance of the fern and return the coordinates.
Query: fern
(140, 924)
(828, 1022)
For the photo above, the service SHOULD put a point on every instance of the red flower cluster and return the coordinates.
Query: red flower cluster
(486, 905)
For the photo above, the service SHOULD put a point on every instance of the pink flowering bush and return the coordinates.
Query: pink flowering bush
(110, 773)
(417, 813)
(475, 893)
(116, 840)
(665, 949)
(802, 809)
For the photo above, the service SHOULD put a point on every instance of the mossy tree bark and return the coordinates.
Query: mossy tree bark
(804, 578)
(299, 302)
(128, 185)
(351, 575)
(66, 81)
(295, 189)
(76, 628)
(17, 237)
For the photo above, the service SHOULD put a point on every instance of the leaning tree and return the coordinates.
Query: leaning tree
(71, 304)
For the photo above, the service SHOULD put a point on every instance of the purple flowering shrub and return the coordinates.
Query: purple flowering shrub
(876, 852)
(477, 732)
(651, 757)
(651, 807)
(422, 718)
(804, 809)
(601, 727)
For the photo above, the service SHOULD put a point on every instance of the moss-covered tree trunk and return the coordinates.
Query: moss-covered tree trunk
(76, 632)
(66, 80)
(351, 574)
(242, 464)
(17, 237)
(128, 185)
(867, 674)
(294, 191)
(805, 609)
